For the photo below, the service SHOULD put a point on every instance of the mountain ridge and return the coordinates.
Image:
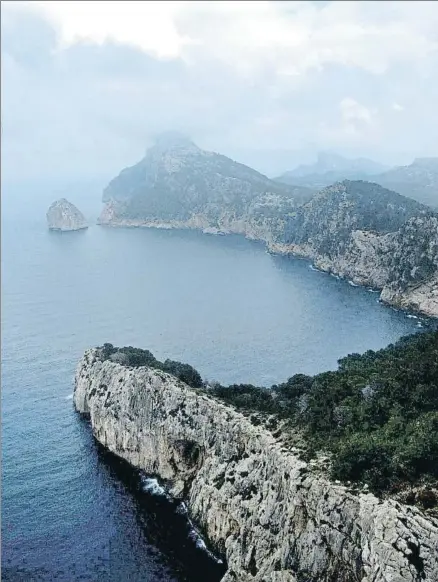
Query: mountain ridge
(345, 228)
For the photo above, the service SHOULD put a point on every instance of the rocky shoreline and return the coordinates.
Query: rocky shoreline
(273, 517)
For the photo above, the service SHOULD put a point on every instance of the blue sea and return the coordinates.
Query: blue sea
(72, 512)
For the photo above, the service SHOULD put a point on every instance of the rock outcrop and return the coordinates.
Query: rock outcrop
(273, 516)
(63, 215)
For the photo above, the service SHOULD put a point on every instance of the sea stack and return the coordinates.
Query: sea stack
(63, 215)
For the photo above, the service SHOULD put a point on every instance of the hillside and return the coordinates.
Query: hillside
(330, 217)
(330, 168)
(371, 236)
(418, 180)
(178, 181)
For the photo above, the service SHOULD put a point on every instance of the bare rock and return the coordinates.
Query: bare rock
(273, 517)
(63, 215)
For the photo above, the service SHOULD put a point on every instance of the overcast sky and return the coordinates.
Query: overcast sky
(85, 85)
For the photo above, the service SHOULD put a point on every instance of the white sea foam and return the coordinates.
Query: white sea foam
(353, 284)
(69, 397)
(412, 316)
(151, 485)
(196, 537)
(313, 268)
(182, 508)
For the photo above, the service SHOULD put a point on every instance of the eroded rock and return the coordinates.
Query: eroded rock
(272, 516)
(63, 215)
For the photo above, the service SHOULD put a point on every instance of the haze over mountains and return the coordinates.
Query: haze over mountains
(178, 181)
(418, 180)
(329, 168)
(357, 229)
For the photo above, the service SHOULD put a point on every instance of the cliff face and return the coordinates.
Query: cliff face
(373, 237)
(63, 215)
(273, 517)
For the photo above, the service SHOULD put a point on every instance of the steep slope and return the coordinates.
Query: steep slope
(330, 168)
(373, 236)
(419, 180)
(63, 215)
(274, 517)
(179, 184)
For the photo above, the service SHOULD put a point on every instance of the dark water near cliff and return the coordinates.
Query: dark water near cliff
(222, 304)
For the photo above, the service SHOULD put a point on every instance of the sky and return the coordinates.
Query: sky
(87, 85)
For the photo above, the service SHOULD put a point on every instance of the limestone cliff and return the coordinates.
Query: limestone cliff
(63, 215)
(272, 516)
(403, 263)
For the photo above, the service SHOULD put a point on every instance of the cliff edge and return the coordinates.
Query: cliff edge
(272, 516)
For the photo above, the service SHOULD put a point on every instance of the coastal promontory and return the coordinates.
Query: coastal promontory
(63, 215)
(361, 508)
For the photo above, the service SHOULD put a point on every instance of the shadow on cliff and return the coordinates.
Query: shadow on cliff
(165, 522)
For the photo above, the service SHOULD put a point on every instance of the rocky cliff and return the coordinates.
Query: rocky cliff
(373, 237)
(273, 516)
(63, 215)
(351, 228)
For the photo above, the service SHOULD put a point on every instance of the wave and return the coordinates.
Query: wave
(69, 397)
(373, 290)
(151, 486)
(196, 537)
(412, 316)
(313, 268)
(353, 284)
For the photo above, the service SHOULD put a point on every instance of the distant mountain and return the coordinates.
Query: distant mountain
(330, 168)
(419, 180)
(178, 182)
(355, 229)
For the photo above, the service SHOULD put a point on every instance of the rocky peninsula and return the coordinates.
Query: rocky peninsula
(63, 215)
(269, 513)
(355, 229)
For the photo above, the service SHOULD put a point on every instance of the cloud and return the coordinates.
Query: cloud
(397, 107)
(86, 84)
(355, 117)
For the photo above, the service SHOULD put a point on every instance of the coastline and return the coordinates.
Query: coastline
(272, 515)
(411, 301)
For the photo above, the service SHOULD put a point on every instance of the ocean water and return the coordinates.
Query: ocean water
(69, 510)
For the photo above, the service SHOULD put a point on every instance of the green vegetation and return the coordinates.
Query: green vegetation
(136, 357)
(377, 414)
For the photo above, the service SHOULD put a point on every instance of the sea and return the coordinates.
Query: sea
(71, 511)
